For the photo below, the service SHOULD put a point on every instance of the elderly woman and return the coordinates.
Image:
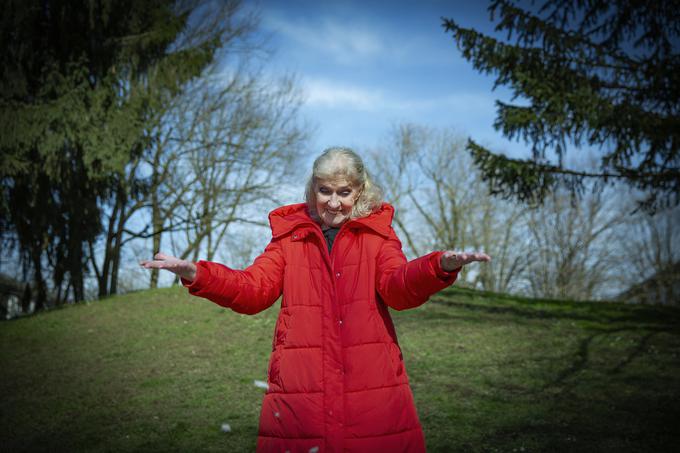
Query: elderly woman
(336, 374)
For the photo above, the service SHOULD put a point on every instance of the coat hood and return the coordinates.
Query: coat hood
(285, 219)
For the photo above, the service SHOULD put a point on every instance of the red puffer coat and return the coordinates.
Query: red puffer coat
(336, 373)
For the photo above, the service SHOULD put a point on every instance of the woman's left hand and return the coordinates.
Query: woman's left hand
(451, 260)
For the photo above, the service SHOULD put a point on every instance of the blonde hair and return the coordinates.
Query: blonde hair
(339, 162)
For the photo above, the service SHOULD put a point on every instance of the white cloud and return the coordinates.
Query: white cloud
(327, 93)
(341, 41)
(473, 103)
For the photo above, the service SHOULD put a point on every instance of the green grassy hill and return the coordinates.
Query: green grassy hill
(162, 371)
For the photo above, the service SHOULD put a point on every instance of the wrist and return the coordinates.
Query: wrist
(450, 263)
(190, 275)
(451, 269)
(441, 269)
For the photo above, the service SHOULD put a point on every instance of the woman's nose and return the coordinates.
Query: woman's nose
(333, 201)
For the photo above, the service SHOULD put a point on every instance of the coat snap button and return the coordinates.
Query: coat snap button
(340, 321)
(338, 275)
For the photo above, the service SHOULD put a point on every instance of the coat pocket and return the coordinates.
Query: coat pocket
(396, 358)
(274, 368)
(281, 330)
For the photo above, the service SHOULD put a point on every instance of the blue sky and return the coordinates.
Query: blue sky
(365, 66)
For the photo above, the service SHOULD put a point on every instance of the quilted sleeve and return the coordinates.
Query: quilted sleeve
(247, 291)
(406, 284)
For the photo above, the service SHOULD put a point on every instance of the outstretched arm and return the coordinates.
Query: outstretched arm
(247, 291)
(406, 284)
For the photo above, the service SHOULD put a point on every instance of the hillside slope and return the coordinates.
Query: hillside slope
(162, 371)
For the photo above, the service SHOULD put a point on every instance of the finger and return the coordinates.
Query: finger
(482, 257)
(161, 256)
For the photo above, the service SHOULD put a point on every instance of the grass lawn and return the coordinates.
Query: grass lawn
(162, 371)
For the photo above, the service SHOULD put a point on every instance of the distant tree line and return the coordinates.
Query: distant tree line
(595, 246)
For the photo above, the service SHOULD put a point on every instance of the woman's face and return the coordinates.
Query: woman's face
(334, 201)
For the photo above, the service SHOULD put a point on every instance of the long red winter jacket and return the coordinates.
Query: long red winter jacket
(336, 373)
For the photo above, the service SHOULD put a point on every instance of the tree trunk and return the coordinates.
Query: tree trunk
(106, 265)
(39, 283)
(118, 239)
(156, 218)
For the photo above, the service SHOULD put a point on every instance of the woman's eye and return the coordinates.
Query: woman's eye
(345, 193)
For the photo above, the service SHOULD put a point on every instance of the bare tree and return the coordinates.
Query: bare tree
(442, 203)
(394, 171)
(573, 246)
(229, 140)
(499, 230)
(228, 29)
(650, 257)
(212, 150)
(569, 247)
(250, 146)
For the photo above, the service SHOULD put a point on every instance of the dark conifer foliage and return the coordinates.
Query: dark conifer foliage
(81, 81)
(604, 74)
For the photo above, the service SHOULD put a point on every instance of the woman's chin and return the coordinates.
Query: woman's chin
(334, 221)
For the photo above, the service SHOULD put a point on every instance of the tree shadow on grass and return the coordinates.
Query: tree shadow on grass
(599, 394)
(582, 354)
(612, 409)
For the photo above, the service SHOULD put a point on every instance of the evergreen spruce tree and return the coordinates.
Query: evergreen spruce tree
(605, 74)
(81, 83)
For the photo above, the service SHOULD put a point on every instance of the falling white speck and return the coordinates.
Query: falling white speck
(226, 428)
(314, 450)
(261, 384)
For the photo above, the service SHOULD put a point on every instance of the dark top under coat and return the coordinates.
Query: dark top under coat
(330, 234)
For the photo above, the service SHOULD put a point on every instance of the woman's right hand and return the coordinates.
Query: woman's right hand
(183, 268)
